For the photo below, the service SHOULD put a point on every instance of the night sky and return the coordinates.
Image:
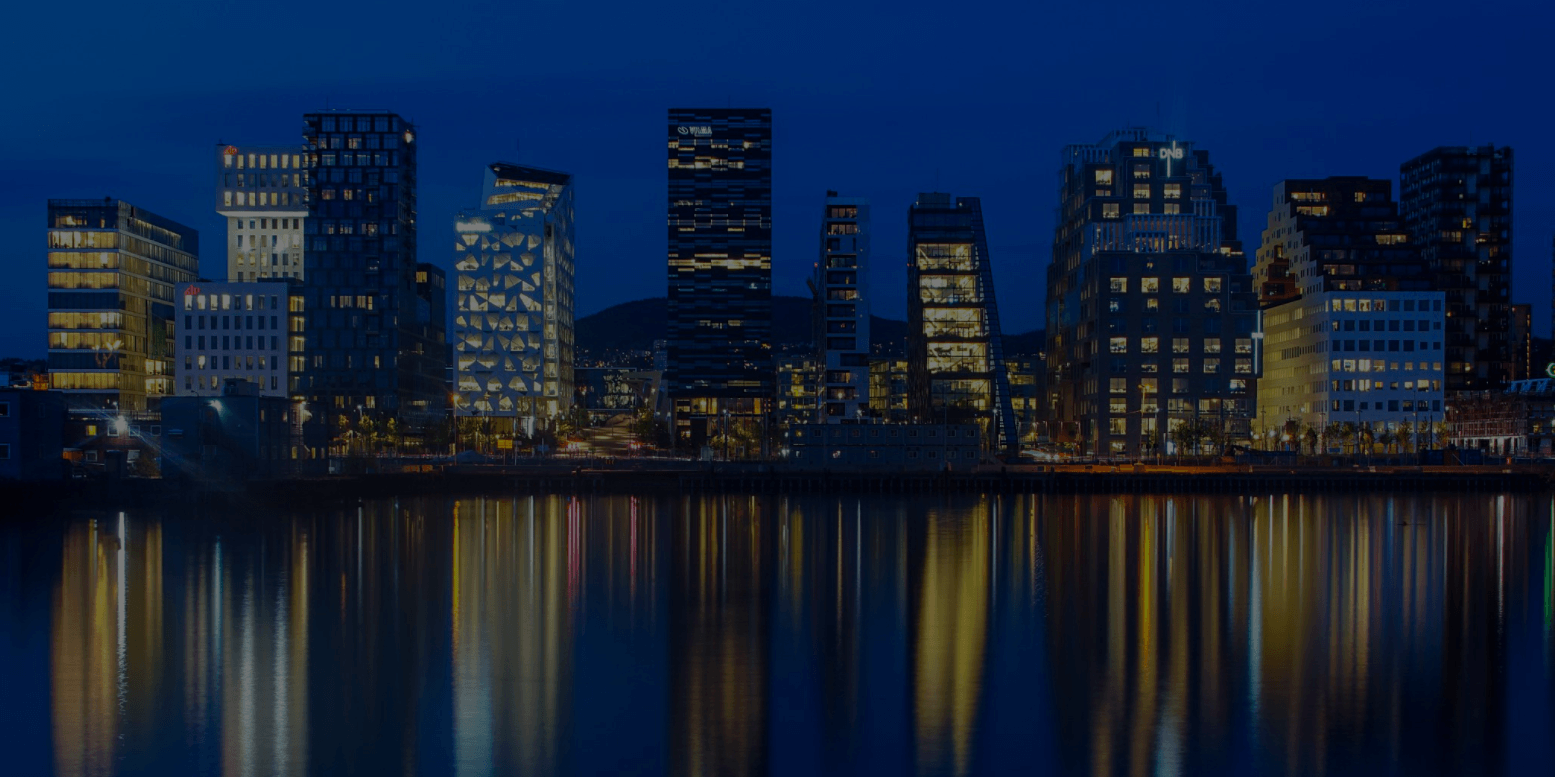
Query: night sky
(876, 100)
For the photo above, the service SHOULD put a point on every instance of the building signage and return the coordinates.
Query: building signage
(190, 291)
(1549, 369)
(1169, 153)
(230, 151)
(701, 131)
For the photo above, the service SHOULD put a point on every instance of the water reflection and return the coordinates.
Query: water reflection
(1124, 635)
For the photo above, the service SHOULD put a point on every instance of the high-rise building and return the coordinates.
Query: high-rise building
(1457, 205)
(112, 269)
(513, 325)
(261, 191)
(720, 268)
(842, 307)
(369, 351)
(1352, 324)
(1521, 336)
(955, 350)
(250, 331)
(1150, 309)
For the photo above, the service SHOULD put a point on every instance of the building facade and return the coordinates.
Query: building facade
(719, 351)
(1352, 325)
(32, 428)
(1150, 309)
(1519, 421)
(842, 308)
(955, 350)
(251, 331)
(112, 269)
(513, 325)
(261, 191)
(888, 389)
(1373, 359)
(1457, 205)
(369, 349)
(798, 392)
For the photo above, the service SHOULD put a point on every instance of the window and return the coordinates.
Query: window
(1211, 366)
(1104, 176)
(1150, 285)
(1180, 365)
(1141, 191)
(1212, 285)
(5, 409)
(1118, 385)
(1181, 285)
(5, 451)
(1179, 345)
(1120, 345)
(1212, 345)
(1172, 191)
(1109, 210)
(1119, 286)
(1150, 345)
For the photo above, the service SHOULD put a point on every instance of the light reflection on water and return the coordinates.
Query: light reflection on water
(1125, 635)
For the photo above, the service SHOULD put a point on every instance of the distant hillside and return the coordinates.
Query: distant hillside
(633, 326)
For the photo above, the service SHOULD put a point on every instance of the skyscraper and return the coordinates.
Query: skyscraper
(720, 268)
(371, 349)
(842, 287)
(112, 269)
(955, 350)
(1352, 322)
(1457, 205)
(1150, 309)
(262, 193)
(513, 329)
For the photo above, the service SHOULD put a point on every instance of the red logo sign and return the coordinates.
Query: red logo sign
(230, 151)
(190, 291)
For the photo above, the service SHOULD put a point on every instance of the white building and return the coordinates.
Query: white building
(513, 321)
(261, 191)
(1366, 357)
(248, 331)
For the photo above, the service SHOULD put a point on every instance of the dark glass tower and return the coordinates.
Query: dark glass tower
(720, 268)
(955, 368)
(1457, 206)
(1150, 308)
(373, 347)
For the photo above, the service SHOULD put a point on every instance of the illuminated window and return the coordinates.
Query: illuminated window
(1109, 210)
(1118, 385)
(1179, 365)
(1104, 176)
(1211, 345)
(1150, 345)
(1150, 285)
(1141, 191)
(1120, 345)
(1172, 191)
(1179, 345)
(1181, 285)
(1211, 366)
(1119, 285)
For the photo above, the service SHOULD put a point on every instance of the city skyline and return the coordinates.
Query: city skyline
(600, 114)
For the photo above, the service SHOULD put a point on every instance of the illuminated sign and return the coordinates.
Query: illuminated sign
(702, 131)
(1169, 153)
(230, 151)
(191, 291)
(1549, 370)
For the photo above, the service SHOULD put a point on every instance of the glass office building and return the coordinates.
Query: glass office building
(842, 310)
(720, 268)
(261, 192)
(955, 350)
(1456, 203)
(374, 341)
(112, 272)
(1151, 315)
(513, 321)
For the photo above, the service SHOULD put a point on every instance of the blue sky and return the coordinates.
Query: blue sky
(873, 99)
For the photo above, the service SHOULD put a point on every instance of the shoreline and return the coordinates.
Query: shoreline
(724, 478)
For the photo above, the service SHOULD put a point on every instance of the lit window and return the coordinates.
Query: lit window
(1150, 345)
(1172, 191)
(1119, 286)
(1150, 285)
(1109, 210)
(1181, 285)
(1120, 345)
(1104, 176)
(1141, 191)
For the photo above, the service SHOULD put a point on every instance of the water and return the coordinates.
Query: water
(1401, 634)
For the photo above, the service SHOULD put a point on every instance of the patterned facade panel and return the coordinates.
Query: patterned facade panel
(513, 256)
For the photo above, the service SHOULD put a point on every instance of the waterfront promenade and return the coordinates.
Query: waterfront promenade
(659, 476)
